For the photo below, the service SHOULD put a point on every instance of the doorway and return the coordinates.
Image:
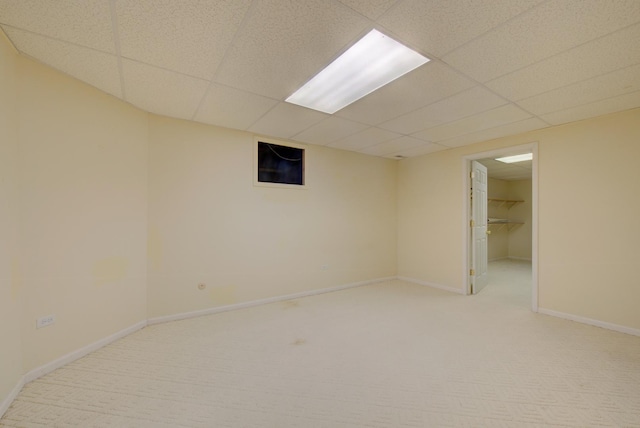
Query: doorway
(499, 203)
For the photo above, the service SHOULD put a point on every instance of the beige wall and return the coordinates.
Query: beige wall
(76, 231)
(83, 197)
(75, 240)
(519, 236)
(10, 293)
(498, 242)
(512, 241)
(587, 258)
(430, 218)
(209, 224)
(497, 189)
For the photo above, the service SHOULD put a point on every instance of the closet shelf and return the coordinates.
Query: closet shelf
(508, 202)
(502, 222)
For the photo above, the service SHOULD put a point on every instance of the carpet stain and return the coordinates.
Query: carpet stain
(289, 304)
(298, 342)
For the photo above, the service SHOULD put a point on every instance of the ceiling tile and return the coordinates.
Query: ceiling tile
(232, 108)
(506, 171)
(329, 130)
(84, 22)
(494, 165)
(598, 108)
(438, 26)
(96, 68)
(526, 164)
(463, 104)
(286, 120)
(232, 62)
(488, 119)
(510, 174)
(368, 137)
(618, 50)
(372, 9)
(393, 146)
(285, 43)
(496, 132)
(546, 30)
(424, 85)
(489, 163)
(619, 82)
(160, 91)
(189, 37)
(419, 150)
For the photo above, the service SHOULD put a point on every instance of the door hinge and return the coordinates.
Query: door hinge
(472, 223)
(472, 272)
(472, 174)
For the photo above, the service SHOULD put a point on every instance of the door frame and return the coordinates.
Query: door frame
(466, 184)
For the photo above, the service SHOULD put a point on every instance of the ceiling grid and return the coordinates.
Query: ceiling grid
(498, 67)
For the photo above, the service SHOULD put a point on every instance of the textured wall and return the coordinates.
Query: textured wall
(587, 257)
(520, 244)
(498, 243)
(10, 293)
(209, 223)
(83, 198)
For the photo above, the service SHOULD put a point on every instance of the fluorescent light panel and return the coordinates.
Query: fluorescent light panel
(371, 63)
(516, 158)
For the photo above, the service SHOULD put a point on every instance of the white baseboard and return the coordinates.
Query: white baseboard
(226, 308)
(432, 285)
(4, 405)
(49, 367)
(497, 259)
(66, 359)
(589, 321)
(79, 353)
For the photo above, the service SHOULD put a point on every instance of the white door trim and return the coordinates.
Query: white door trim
(466, 235)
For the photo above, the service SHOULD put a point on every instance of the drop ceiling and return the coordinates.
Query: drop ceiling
(508, 171)
(498, 67)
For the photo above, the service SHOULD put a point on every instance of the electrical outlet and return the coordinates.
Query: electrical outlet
(45, 321)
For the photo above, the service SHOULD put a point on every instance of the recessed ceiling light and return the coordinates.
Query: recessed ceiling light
(371, 63)
(516, 158)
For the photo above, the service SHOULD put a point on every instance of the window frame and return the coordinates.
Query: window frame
(258, 183)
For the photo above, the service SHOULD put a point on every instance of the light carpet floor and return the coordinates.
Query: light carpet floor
(392, 354)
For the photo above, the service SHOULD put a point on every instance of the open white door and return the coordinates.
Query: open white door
(479, 252)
